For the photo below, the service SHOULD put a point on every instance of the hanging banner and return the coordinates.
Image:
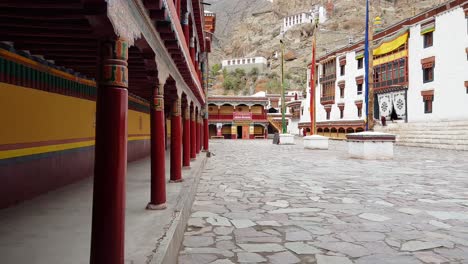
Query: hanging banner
(385, 104)
(399, 103)
(242, 116)
(219, 127)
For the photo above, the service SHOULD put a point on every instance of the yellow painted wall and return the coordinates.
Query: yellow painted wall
(30, 115)
(258, 130)
(226, 130)
(226, 109)
(242, 108)
(257, 109)
(212, 109)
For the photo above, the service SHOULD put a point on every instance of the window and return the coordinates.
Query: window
(428, 39)
(342, 92)
(360, 63)
(427, 106)
(359, 112)
(359, 88)
(328, 115)
(341, 113)
(342, 70)
(428, 74)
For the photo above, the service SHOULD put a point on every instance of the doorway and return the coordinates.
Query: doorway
(239, 132)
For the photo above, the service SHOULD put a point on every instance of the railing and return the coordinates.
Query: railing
(231, 116)
(327, 99)
(259, 116)
(221, 116)
(275, 124)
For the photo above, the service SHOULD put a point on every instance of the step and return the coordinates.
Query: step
(438, 146)
(433, 141)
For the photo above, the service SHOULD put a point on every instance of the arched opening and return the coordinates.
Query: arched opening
(320, 131)
(225, 111)
(259, 131)
(258, 111)
(359, 129)
(226, 131)
(212, 131)
(213, 111)
(272, 110)
(242, 108)
(341, 133)
(334, 132)
(349, 130)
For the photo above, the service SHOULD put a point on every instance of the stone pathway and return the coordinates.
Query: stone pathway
(262, 203)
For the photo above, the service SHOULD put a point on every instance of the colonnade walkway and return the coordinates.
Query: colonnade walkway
(262, 203)
(56, 227)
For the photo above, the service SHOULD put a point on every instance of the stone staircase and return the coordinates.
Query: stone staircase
(441, 134)
(276, 124)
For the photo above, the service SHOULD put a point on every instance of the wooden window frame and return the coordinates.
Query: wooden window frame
(428, 75)
(362, 86)
(428, 39)
(360, 63)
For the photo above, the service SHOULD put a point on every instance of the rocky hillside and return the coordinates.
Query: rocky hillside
(252, 28)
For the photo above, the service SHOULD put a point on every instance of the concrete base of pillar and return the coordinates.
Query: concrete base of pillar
(176, 181)
(315, 142)
(156, 207)
(286, 139)
(371, 145)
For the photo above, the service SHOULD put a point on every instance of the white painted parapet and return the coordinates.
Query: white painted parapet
(315, 142)
(370, 145)
(286, 139)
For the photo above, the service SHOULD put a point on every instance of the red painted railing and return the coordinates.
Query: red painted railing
(231, 117)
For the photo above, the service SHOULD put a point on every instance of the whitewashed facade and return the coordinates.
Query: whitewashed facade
(246, 64)
(421, 82)
(304, 18)
(450, 41)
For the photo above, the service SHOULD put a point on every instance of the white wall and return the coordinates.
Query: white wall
(350, 92)
(450, 39)
(258, 60)
(303, 18)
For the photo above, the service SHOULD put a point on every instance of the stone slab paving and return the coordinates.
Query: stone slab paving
(264, 203)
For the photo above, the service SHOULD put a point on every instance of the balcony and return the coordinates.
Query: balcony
(329, 99)
(220, 117)
(326, 78)
(244, 116)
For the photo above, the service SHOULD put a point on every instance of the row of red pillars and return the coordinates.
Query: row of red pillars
(108, 220)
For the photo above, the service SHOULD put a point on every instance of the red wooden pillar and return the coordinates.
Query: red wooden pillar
(186, 28)
(200, 124)
(206, 132)
(176, 142)
(192, 50)
(186, 153)
(158, 153)
(193, 141)
(197, 133)
(108, 220)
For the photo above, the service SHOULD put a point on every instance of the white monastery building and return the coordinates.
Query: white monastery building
(247, 64)
(304, 18)
(420, 82)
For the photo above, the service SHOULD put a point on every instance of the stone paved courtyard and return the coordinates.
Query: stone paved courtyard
(263, 203)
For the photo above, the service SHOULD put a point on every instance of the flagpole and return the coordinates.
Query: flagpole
(313, 78)
(366, 63)
(283, 100)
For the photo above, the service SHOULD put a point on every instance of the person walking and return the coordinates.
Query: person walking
(276, 138)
